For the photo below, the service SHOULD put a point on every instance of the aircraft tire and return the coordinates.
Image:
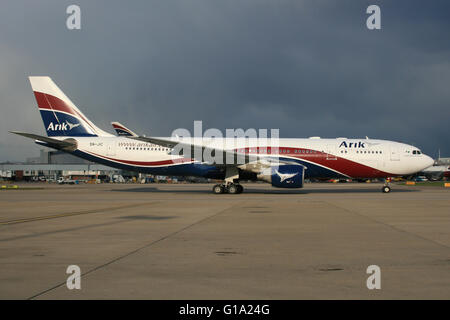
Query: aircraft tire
(218, 189)
(233, 189)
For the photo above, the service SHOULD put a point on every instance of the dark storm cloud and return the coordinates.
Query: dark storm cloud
(306, 67)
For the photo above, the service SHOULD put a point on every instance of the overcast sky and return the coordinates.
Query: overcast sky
(309, 68)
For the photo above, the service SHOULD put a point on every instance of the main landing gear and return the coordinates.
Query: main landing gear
(231, 184)
(232, 188)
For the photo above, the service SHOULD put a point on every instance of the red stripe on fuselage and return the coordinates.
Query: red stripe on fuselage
(348, 167)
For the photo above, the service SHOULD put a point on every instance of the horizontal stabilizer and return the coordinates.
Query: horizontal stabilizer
(67, 144)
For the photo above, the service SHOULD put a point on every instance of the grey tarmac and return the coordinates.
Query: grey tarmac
(180, 241)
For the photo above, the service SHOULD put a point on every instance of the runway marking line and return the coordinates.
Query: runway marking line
(68, 214)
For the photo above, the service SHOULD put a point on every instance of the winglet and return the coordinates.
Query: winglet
(123, 131)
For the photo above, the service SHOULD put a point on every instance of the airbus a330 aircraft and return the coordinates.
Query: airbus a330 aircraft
(285, 165)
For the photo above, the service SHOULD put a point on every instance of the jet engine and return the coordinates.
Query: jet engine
(284, 176)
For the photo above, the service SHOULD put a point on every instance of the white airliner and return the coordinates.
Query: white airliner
(436, 172)
(285, 165)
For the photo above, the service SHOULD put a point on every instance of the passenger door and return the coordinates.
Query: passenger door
(111, 148)
(395, 154)
(331, 151)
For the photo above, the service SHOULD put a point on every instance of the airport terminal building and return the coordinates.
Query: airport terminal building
(53, 164)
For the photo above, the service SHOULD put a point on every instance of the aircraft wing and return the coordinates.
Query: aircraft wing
(67, 144)
(252, 162)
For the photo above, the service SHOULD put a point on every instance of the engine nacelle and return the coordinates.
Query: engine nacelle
(284, 176)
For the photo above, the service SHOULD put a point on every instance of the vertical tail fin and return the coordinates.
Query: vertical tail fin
(61, 117)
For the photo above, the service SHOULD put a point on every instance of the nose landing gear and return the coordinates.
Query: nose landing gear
(387, 186)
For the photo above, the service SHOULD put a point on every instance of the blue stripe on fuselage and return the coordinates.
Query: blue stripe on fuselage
(314, 170)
